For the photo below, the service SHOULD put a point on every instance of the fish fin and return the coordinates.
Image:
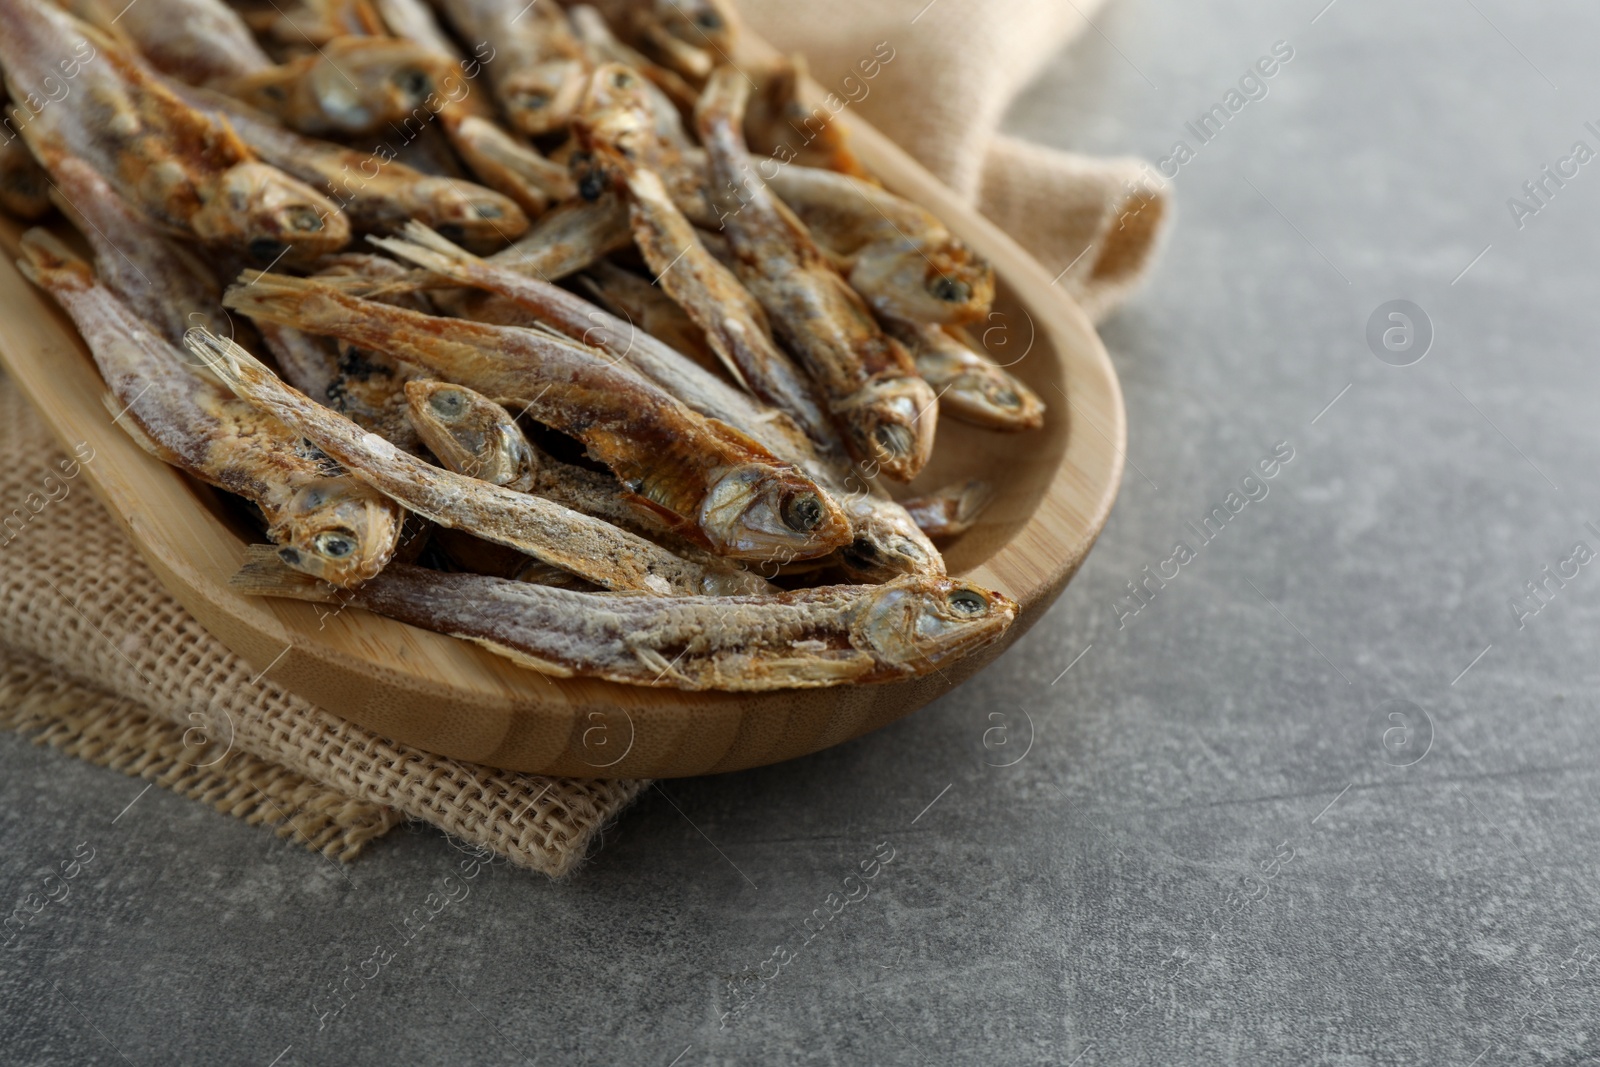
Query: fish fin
(743, 439)
(522, 659)
(264, 574)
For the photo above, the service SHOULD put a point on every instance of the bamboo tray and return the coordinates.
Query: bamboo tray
(1055, 491)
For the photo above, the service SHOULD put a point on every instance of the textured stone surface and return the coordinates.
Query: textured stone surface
(1062, 910)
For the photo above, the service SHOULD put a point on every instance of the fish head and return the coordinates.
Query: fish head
(361, 84)
(701, 23)
(917, 623)
(990, 397)
(470, 433)
(887, 543)
(941, 282)
(539, 98)
(890, 425)
(772, 512)
(339, 530)
(468, 214)
(267, 212)
(616, 117)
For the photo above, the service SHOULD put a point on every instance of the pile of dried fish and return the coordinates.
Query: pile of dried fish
(528, 341)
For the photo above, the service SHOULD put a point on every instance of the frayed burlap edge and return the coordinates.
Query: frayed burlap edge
(112, 732)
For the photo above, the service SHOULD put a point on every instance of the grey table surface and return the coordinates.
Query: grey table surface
(1329, 797)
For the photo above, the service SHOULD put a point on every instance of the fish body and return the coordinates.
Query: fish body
(580, 544)
(196, 41)
(615, 125)
(186, 171)
(712, 482)
(160, 280)
(809, 639)
(884, 411)
(334, 526)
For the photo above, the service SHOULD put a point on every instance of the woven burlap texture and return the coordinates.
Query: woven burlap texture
(97, 660)
(75, 593)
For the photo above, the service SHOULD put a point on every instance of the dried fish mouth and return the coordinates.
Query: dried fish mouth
(344, 538)
(919, 632)
(751, 514)
(470, 434)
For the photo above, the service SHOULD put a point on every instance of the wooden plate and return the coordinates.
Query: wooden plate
(447, 696)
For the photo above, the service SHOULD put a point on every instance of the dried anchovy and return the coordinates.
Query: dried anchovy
(712, 482)
(809, 639)
(952, 510)
(332, 525)
(885, 412)
(581, 544)
(971, 386)
(185, 170)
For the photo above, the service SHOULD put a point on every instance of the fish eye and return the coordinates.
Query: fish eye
(950, 290)
(802, 512)
(592, 187)
(303, 219)
(1006, 398)
(533, 99)
(893, 438)
(622, 79)
(335, 545)
(488, 211)
(966, 602)
(273, 92)
(414, 83)
(265, 249)
(448, 403)
(708, 20)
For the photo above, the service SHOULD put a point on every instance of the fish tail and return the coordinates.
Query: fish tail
(428, 249)
(264, 574)
(278, 298)
(50, 264)
(223, 357)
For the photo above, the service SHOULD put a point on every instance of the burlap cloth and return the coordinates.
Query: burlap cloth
(98, 661)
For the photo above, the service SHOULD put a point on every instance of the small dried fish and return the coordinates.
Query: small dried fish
(581, 544)
(329, 524)
(615, 126)
(885, 542)
(160, 280)
(300, 26)
(186, 171)
(374, 189)
(196, 41)
(804, 640)
(711, 481)
(606, 47)
(506, 164)
(353, 86)
(971, 386)
(952, 510)
(539, 66)
(884, 411)
(899, 256)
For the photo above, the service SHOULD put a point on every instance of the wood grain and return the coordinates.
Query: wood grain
(1055, 491)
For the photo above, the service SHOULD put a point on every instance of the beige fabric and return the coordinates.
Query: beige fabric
(75, 594)
(97, 660)
(957, 66)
